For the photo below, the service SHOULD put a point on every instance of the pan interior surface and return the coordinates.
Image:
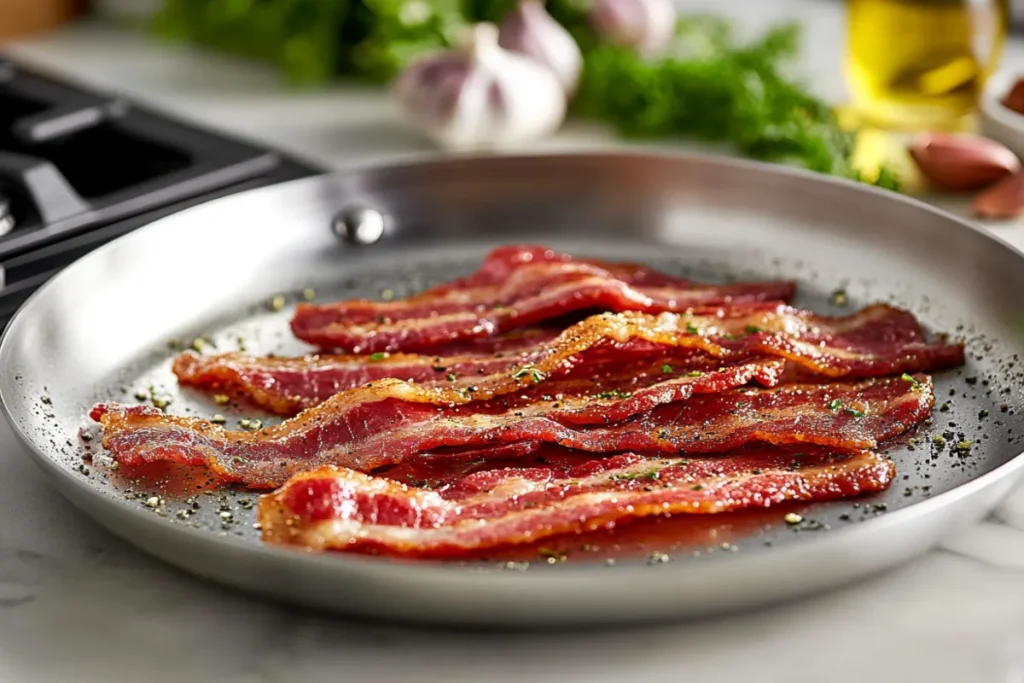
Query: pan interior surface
(214, 277)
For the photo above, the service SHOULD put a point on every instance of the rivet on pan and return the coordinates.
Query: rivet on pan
(6, 216)
(360, 225)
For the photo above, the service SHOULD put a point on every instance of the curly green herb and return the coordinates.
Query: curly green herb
(708, 86)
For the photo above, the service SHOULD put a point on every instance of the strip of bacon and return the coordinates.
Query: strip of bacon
(286, 386)
(369, 428)
(620, 396)
(516, 286)
(877, 340)
(503, 344)
(340, 509)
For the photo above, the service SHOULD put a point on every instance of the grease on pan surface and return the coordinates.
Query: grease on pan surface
(975, 412)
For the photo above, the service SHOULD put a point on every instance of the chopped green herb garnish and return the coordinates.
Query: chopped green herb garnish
(753, 329)
(913, 381)
(836, 404)
(380, 355)
(695, 373)
(615, 393)
(536, 374)
(964, 445)
(632, 476)
(451, 377)
(692, 330)
(666, 368)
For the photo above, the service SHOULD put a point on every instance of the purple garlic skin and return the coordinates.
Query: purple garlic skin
(480, 96)
(432, 87)
(645, 26)
(531, 31)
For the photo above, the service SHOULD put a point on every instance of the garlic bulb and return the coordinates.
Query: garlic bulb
(481, 96)
(646, 26)
(531, 31)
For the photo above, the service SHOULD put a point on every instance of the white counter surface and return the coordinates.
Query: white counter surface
(76, 604)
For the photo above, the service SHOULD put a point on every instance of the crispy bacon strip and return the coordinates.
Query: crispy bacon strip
(503, 344)
(875, 341)
(344, 510)
(515, 287)
(286, 386)
(368, 428)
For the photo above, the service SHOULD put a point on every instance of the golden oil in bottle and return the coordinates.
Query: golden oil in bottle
(917, 64)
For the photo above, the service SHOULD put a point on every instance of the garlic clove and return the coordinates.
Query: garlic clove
(646, 26)
(1004, 200)
(481, 96)
(1014, 99)
(531, 31)
(429, 87)
(958, 162)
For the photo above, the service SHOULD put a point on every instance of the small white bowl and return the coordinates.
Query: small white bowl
(998, 121)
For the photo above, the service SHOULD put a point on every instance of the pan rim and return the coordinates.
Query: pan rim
(567, 572)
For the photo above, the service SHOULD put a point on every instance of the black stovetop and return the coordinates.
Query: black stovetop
(80, 167)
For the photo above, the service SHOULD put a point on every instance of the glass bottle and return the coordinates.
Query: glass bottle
(921, 64)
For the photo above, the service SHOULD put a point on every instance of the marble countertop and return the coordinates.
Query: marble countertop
(77, 604)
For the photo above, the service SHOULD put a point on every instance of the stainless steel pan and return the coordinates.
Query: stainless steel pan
(100, 330)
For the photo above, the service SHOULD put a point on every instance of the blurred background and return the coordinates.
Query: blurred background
(836, 86)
